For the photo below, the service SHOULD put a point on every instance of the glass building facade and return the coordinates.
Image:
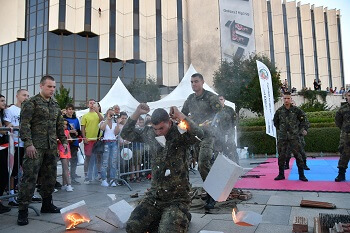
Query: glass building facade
(72, 59)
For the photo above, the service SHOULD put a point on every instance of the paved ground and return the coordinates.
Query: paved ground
(277, 207)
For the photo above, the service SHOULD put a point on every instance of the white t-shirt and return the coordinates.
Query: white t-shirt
(12, 115)
(109, 132)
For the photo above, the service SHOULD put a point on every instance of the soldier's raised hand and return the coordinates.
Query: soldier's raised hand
(143, 108)
(176, 114)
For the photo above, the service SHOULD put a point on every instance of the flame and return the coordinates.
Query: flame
(75, 219)
(238, 220)
(182, 125)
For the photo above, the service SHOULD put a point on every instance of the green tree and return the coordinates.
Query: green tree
(62, 97)
(238, 81)
(144, 90)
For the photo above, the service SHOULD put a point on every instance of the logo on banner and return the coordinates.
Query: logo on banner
(263, 74)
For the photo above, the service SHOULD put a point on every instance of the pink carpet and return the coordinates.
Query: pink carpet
(321, 177)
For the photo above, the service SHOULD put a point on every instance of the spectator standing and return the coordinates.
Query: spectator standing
(3, 156)
(203, 105)
(65, 156)
(41, 125)
(110, 129)
(12, 117)
(315, 85)
(89, 131)
(74, 131)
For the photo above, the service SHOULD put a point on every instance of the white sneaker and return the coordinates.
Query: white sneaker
(113, 184)
(55, 190)
(64, 187)
(86, 181)
(69, 188)
(104, 183)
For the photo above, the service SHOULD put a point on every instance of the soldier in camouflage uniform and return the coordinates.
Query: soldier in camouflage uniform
(202, 106)
(342, 120)
(166, 205)
(41, 125)
(225, 135)
(302, 151)
(290, 121)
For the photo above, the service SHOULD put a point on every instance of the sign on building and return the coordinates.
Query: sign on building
(237, 28)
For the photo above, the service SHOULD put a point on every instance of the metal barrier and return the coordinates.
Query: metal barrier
(133, 158)
(10, 146)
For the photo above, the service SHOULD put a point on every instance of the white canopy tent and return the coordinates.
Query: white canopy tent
(118, 94)
(179, 95)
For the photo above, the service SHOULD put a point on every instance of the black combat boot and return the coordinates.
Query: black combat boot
(286, 166)
(280, 174)
(341, 175)
(305, 166)
(301, 174)
(48, 206)
(22, 215)
(210, 203)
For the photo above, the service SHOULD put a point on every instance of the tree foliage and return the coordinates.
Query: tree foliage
(62, 97)
(238, 81)
(144, 90)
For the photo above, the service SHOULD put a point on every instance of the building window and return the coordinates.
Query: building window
(269, 20)
(302, 62)
(180, 37)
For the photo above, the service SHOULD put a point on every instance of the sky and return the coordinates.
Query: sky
(344, 7)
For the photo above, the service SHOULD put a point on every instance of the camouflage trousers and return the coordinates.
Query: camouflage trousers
(344, 149)
(302, 149)
(46, 163)
(152, 215)
(227, 145)
(285, 147)
(203, 150)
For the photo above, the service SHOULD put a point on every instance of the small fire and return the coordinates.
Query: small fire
(75, 219)
(246, 218)
(182, 125)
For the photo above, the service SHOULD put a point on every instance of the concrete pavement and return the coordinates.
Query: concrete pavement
(277, 207)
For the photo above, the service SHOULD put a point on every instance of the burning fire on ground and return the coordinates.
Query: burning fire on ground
(75, 219)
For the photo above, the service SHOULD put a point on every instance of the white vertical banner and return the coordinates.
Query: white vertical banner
(267, 97)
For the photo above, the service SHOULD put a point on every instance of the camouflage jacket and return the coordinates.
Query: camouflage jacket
(342, 118)
(172, 158)
(203, 107)
(290, 122)
(41, 123)
(227, 119)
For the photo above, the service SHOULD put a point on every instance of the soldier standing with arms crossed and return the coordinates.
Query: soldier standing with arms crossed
(290, 121)
(202, 106)
(41, 125)
(342, 120)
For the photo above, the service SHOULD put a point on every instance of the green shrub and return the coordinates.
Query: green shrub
(258, 142)
(322, 139)
(322, 124)
(318, 139)
(323, 114)
(314, 106)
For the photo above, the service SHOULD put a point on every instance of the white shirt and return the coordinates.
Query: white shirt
(109, 132)
(12, 115)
